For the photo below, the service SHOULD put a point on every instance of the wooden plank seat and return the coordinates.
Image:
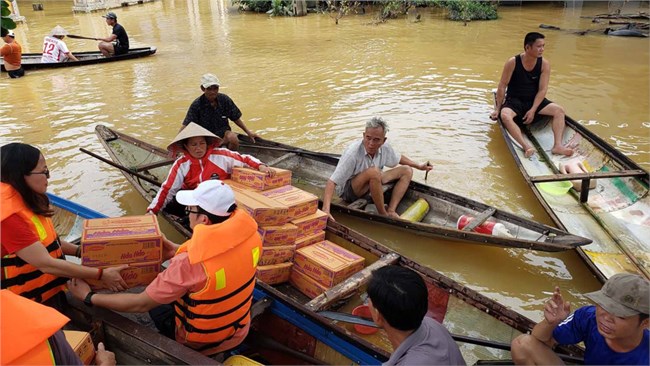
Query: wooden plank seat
(362, 202)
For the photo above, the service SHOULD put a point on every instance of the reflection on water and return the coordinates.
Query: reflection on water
(307, 82)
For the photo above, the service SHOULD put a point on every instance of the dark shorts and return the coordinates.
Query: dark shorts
(120, 50)
(520, 107)
(348, 192)
(14, 74)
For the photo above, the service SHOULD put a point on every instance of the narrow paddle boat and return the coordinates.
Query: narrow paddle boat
(32, 61)
(598, 193)
(145, 166)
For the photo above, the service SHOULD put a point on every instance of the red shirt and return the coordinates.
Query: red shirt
(15, 234)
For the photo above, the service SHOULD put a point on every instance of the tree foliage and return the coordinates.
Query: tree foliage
(7, 22)
(467, 10)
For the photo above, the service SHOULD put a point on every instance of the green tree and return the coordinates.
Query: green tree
(7, 22)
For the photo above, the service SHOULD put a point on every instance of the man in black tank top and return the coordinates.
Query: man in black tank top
(526, 77)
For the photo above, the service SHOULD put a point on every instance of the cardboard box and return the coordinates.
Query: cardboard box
(310, 239)
(278, 235)
(263, 210)
(327, 263)
(305, 284)
(238, 187)
(299, 202)
(275, 273)
(260, 181)
(311, 224)
(121, 240)
(82, 344)
(138, 274)
(277, 254)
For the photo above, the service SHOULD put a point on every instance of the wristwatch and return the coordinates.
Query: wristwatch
(87, 299)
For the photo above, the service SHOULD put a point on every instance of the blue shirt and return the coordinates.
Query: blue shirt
(581, 327)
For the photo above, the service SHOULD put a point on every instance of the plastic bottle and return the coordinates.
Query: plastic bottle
(500, 230)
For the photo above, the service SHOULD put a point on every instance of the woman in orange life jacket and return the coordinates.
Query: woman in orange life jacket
(201, 159)
(33, 262)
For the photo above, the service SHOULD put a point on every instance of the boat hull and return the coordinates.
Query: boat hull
(616, 213)
(32, 61)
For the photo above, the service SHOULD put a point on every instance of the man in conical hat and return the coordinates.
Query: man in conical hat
(54, 49)
(201, 159)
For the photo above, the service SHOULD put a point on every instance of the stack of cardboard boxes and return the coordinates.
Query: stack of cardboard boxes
(132, 240)
(289, 222)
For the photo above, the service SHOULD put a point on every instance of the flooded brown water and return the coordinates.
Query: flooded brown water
(308, 82)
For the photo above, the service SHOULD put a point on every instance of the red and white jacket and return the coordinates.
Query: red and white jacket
(188, 172)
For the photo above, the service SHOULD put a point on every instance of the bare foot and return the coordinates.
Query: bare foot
(392, 214)
(562, 150)
(529, 152)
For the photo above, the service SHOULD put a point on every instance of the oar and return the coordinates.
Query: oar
(354, 319)
(123, 168)
(82, 37)
(293, 150)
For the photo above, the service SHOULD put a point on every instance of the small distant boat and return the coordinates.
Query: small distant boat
(32, 61)
(312, 169)
(613, 208)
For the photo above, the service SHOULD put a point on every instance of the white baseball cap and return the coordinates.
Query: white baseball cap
(213, 196)
(208, 80)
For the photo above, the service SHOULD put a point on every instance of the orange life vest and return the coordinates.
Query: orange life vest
(17, 275)
(229, 253)
(26, 342)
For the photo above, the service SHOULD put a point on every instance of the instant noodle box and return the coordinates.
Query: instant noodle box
(311, 224)
(299, 202)
(327, 263)
(82, 345)
(310, 239)
(278, 235)
(307, 285)
(261, 181)
(137, 274)
(264, 210)
(277, 254)
(274, 273)
(121, 240)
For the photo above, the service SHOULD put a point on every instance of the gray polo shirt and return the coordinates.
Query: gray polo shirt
(430, 344)
(355, 160)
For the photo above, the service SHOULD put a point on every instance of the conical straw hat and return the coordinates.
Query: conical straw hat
(59, 31)
(192, 130)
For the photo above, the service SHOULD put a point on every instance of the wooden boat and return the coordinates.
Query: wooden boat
(147, 164)
(615, 214)
(32, 61)
(290, 329)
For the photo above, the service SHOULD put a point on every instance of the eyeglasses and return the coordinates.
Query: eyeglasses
(213, 87)
(46, 172)
(188, 211)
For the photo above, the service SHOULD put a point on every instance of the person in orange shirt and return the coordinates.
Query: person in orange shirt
(12, 55)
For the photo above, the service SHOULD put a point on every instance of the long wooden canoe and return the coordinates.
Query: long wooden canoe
(290, 330)
(465, 312)
(310, 172)
(31, 61)
(615, 214)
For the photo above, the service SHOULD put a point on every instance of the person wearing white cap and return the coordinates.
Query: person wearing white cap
(212, 110)
(201, 160)
(614, 331)
(12, 55)
(117, 43)
(54, 49)
(210, 278)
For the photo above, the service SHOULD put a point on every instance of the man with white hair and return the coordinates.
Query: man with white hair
(360, 171)
(212, 110)
(203, 298)
(54, 49)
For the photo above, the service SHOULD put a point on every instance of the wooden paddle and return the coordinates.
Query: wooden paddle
(123, 168)
(82, 37)
(354, 319)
